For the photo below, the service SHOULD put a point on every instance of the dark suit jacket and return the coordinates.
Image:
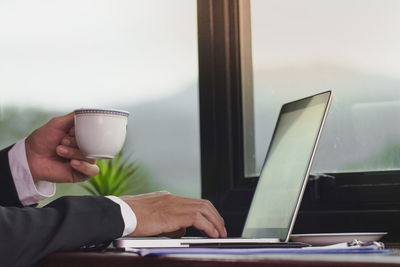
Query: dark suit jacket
(28, 234)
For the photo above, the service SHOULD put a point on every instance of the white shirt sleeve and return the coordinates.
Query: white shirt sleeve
(29, 193)
(128, 215)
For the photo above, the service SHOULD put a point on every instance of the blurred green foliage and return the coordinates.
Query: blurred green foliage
(17, 123)
(387, 159)
(117, 177)
(390, 157)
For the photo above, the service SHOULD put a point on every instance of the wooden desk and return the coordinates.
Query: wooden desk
(97, 259)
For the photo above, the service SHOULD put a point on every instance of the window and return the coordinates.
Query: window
(140, 56)
(239, 100)
(349, 47)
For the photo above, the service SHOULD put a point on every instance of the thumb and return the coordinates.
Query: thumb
(63, 123)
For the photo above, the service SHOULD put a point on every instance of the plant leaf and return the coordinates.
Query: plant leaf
(116, 177)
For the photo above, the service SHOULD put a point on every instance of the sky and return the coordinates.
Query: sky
(63, 54)
(354, 33)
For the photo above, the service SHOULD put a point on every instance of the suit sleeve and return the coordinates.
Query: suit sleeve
(8, 192)
(28, 234)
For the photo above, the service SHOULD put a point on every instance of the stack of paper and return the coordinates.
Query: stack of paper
(373, 247)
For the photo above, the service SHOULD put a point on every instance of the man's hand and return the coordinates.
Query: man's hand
(54, 156)
(162, 213)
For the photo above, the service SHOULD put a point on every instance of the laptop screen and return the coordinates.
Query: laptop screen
(286, 168)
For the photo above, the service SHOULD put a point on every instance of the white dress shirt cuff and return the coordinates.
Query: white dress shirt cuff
(29, 193)
(128, 215)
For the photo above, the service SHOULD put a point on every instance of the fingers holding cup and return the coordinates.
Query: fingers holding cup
(72, 131)
(73, 153)
(69, 141)
(83, 170)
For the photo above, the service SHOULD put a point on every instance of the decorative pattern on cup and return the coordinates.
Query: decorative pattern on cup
(105, 112)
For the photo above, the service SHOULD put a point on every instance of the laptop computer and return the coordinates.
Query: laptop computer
(281, 185)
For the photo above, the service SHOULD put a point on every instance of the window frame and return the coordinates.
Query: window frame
(221, 122)
(368, 201)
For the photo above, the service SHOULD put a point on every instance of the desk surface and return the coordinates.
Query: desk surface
(77, 259)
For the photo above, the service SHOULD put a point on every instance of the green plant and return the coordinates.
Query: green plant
(116, 177)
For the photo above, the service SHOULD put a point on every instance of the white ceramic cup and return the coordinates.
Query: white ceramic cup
(100, 133)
